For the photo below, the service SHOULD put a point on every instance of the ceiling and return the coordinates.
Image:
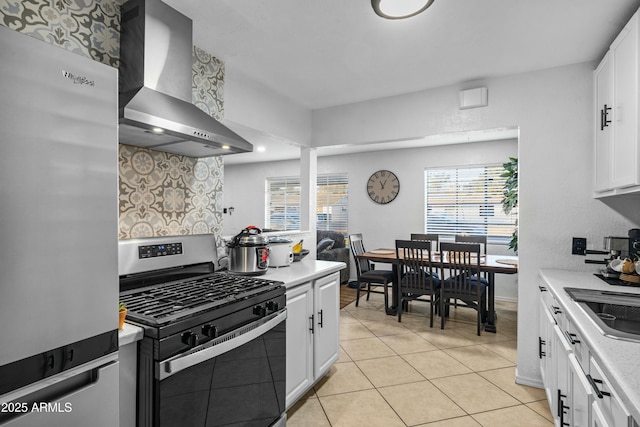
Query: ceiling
(323, 53)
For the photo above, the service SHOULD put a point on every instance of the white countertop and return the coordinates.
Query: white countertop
(619, 359)
(129, 334)
(303, 271)
(296, 274)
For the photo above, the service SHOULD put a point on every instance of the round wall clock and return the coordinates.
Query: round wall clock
(383, 187)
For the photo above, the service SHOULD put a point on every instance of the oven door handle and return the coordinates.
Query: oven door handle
(221, 345)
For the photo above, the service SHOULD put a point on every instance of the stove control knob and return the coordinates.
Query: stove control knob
(210, 331)
(273, 305)
(190, 339)
(260, 310)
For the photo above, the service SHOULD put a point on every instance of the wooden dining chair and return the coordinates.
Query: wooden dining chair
(367, 274)
(431, 237)
(460, 263)
(467, 238)
(417, 276)
(479, 239)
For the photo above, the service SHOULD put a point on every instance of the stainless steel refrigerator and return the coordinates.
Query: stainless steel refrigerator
(58, 236)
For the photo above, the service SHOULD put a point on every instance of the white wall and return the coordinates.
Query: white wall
(553, 111)
(257, 107)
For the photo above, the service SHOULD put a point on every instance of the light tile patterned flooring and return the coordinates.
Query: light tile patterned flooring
(408, 374)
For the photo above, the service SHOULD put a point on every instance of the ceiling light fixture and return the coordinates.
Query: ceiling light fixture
(400, 9)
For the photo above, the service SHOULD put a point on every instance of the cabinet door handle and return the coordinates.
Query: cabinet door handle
(571, 338)
(594, 385)
(542, 288)
(320, 315)
(561, 408)
(556, 310)
(312, 324)
(604, 117)
(541, 342)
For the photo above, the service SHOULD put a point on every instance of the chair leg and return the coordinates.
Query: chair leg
(400, 309)
(386, 297)
(432, 302)
(358, 294)
(368, 290)
(442, 310)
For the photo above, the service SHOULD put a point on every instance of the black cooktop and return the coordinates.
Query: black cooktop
(616, 281)
(167, 302)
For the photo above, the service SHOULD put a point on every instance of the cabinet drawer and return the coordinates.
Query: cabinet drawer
(578, 345)
(612, 409)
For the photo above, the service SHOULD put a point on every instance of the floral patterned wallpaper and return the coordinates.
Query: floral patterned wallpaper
(161, 194)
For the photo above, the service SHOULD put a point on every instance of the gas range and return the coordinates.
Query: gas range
(170, 286)
(209, 336)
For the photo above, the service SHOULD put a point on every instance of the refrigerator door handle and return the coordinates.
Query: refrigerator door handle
(36, 388)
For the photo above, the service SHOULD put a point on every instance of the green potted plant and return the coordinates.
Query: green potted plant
(510, 195)
(122, 311)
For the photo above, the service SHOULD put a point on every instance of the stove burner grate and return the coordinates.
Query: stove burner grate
(166, 302)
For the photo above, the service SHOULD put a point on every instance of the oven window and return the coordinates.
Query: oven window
(245, 386)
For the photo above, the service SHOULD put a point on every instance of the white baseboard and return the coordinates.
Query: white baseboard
(531, 382)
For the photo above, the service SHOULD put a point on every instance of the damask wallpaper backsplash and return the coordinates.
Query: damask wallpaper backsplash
(161, 194)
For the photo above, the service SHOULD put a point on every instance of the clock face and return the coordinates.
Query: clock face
(383, 187)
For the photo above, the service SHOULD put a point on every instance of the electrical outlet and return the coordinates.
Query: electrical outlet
(579, 246)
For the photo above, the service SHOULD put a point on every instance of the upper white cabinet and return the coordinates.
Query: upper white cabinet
(616, 86)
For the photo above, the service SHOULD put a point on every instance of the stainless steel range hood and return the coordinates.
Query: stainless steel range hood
(155, 86)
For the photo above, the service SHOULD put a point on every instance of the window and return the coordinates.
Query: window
(332, 203)
(467, 201)
(283, 203)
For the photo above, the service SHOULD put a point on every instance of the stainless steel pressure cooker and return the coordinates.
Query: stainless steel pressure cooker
(249, 252)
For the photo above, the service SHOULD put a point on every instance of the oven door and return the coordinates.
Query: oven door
(236, 379)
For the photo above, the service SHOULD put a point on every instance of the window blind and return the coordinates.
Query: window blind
(282, 207)
(282, 204)
(467, 201)
(332, 203)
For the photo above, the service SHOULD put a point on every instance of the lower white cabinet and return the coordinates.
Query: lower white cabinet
(579, 393)
(313, 312)
(610, 409)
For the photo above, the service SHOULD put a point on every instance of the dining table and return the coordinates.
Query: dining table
(490, 264)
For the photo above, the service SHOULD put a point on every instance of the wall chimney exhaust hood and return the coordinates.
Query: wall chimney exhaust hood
(155, 86)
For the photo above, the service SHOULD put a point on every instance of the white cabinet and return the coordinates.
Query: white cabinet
(603, 89)
(616, 87)
(299, 341)
(312, 333)
(546, 349)
(609, 408)
(581, 395)
(577, 389)
(326, 337)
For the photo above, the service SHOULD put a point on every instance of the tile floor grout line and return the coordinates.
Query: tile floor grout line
(370, 316)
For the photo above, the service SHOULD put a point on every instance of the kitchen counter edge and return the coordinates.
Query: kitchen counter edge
(620, 360)
(303, 271)
(129, 334)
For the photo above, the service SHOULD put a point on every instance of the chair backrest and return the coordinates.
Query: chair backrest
(481, 240)
(357, 248)
(415, 269)
(431, 237)
(460, 263)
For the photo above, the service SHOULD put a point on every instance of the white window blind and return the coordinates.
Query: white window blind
(283, 203)
(467, 201)
(332, 203)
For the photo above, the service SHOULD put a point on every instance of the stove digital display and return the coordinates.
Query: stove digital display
(153, 251)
